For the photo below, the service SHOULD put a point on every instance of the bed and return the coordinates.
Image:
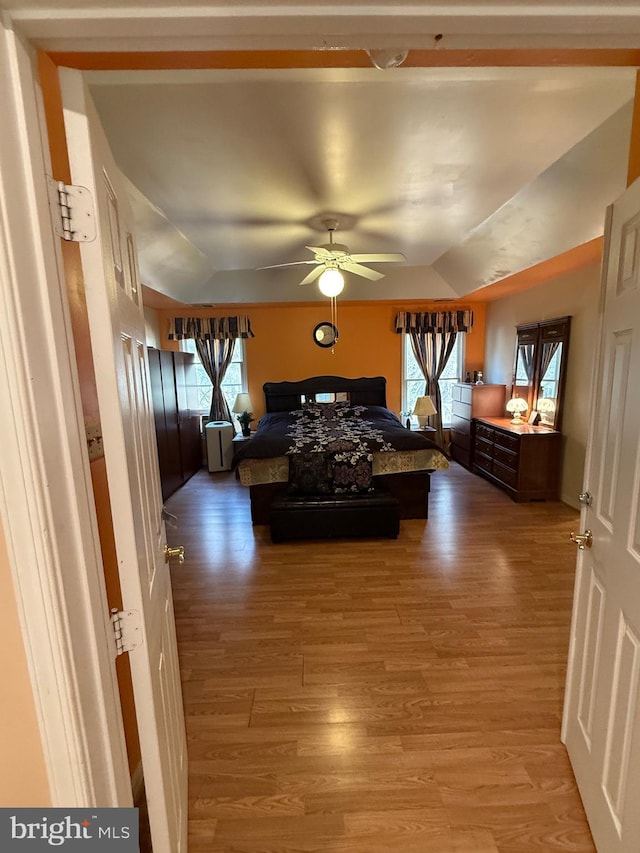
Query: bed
(289, 439)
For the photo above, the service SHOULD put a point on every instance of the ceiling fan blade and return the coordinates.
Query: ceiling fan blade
(319, 250)
(380, 258)
(292, 264)
(314, 274)
(365, 272)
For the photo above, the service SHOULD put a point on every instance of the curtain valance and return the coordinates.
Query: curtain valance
(209, 328)
(441, 322)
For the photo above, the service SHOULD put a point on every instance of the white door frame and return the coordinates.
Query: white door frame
(46, 497)
(94, 25)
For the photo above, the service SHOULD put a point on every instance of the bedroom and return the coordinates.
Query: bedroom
(284, 333)
(270, 200)
(575, 284)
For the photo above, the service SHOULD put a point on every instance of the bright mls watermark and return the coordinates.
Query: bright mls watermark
(86, 830)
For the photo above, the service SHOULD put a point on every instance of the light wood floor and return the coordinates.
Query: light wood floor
(371, 695)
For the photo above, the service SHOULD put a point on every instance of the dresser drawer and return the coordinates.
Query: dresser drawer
(505, 457)
(506, 475)
(484, 431)
(460, 424)
(460, 438)
(482, 446)
(461, 410)
(507, 440)
(462, 394)
(485, 463)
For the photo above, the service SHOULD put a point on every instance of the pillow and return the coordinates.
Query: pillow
(352, 471)
(339, 409)
(310, 474)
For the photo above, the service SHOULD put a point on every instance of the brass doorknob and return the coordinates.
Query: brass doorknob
(582, 540)
(171, 553)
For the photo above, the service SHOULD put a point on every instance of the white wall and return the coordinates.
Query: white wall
(576, 295)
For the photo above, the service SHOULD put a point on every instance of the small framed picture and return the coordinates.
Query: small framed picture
(534, 417)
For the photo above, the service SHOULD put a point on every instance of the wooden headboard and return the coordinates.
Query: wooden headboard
(288, 396)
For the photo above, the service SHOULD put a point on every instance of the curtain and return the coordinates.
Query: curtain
(526, 351)
(216, 356)
(549, 349)
(215, 339)
(440, 322)
(433, 337)
(432, 351)
(206, 328)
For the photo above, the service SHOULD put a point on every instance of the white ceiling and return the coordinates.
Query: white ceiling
(473, 174)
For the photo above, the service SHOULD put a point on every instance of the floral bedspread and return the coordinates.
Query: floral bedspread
(330, 446)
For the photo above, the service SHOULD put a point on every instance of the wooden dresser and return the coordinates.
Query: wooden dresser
(469, 402)
(524, 460)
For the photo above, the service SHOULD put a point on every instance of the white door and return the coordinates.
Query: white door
(602, 711)
(116, 321)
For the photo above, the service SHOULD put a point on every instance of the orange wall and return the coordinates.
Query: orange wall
(23, 781)
(283, 346)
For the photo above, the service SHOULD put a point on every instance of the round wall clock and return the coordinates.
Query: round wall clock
(325, 335)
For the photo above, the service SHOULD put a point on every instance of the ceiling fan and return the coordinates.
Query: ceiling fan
(336, 256)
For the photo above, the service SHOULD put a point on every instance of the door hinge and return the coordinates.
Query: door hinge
(126, 629)
(72, 211)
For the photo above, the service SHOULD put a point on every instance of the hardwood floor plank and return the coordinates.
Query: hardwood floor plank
(365, 696)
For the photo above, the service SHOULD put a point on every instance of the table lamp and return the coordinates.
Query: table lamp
(517, 406)
(243, 407)
(547, 409)
(423, 409)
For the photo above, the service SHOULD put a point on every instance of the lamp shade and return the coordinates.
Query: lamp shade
(517, 406)
(243, 404)
(423, 408)
(331, 282)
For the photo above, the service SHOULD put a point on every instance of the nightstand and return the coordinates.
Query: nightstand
(427, 430)
(236, 442)
(239, 439)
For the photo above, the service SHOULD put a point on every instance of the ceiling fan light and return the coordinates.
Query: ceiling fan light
(331, 282)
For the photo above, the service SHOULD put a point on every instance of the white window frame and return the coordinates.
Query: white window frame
(446, 384)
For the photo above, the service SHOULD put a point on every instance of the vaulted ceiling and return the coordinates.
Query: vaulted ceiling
(474, 170)
(473, 174)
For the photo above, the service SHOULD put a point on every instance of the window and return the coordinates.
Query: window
(199, 384)
(413, 380)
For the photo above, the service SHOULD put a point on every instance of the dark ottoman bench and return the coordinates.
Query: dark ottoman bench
(328, 517)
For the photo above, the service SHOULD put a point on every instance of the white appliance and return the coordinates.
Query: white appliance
(219, 445)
